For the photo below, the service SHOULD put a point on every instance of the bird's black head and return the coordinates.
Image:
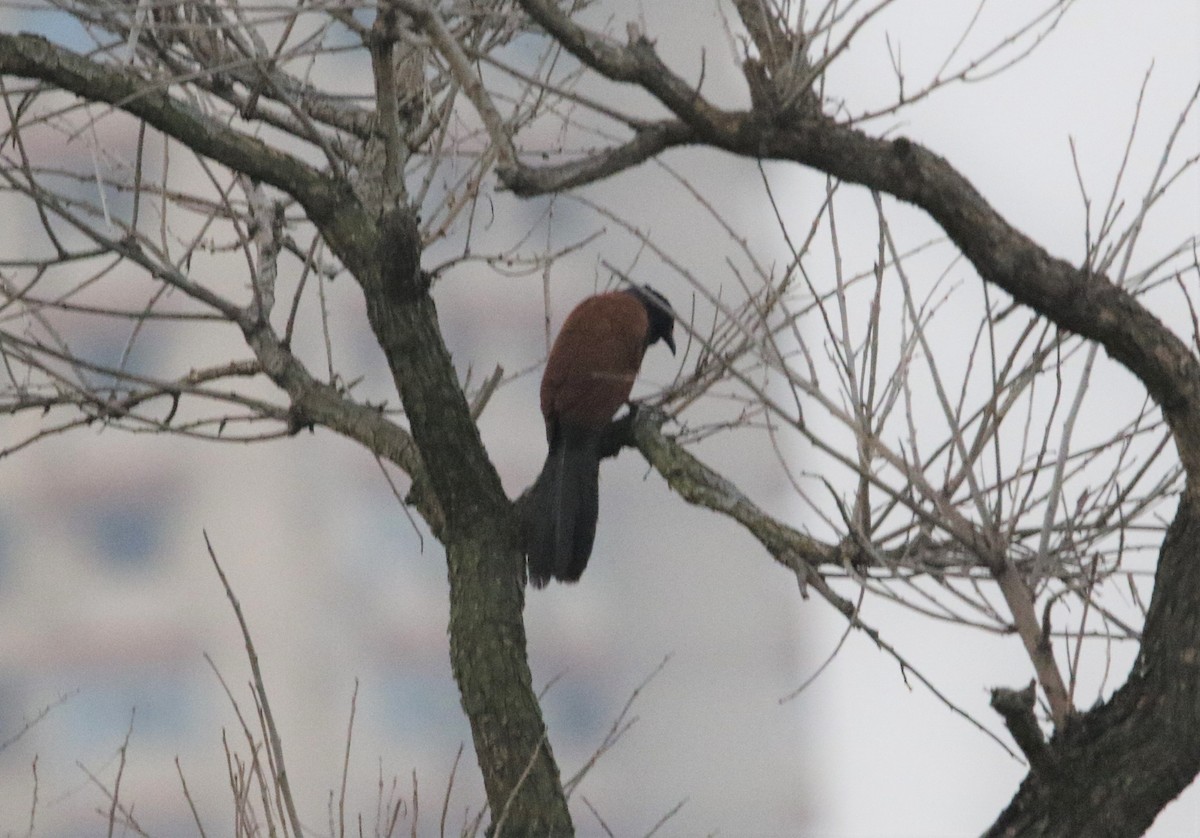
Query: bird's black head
(662, 316)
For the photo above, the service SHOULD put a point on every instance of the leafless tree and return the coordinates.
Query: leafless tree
(226, 178)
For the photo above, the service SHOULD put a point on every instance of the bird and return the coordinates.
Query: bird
(589, 375)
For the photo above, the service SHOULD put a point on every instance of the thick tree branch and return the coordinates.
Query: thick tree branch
(1020, 601)
(384, 35)
(774, 43)
(319, 403)
(648, 141)
(1091, 306)
(1016, 707)
(637, 63)
(699, 485)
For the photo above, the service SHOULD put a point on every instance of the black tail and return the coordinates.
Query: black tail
(562, 523)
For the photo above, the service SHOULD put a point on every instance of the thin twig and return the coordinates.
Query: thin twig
(275, 743)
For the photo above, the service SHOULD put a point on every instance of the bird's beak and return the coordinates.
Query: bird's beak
(669, 340)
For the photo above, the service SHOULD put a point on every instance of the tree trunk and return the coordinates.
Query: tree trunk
(1116, 767)
(486, 566)
(487, 651)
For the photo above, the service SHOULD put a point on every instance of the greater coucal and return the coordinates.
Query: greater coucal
(589, 374)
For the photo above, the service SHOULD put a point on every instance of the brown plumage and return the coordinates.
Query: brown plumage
(589, 375)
